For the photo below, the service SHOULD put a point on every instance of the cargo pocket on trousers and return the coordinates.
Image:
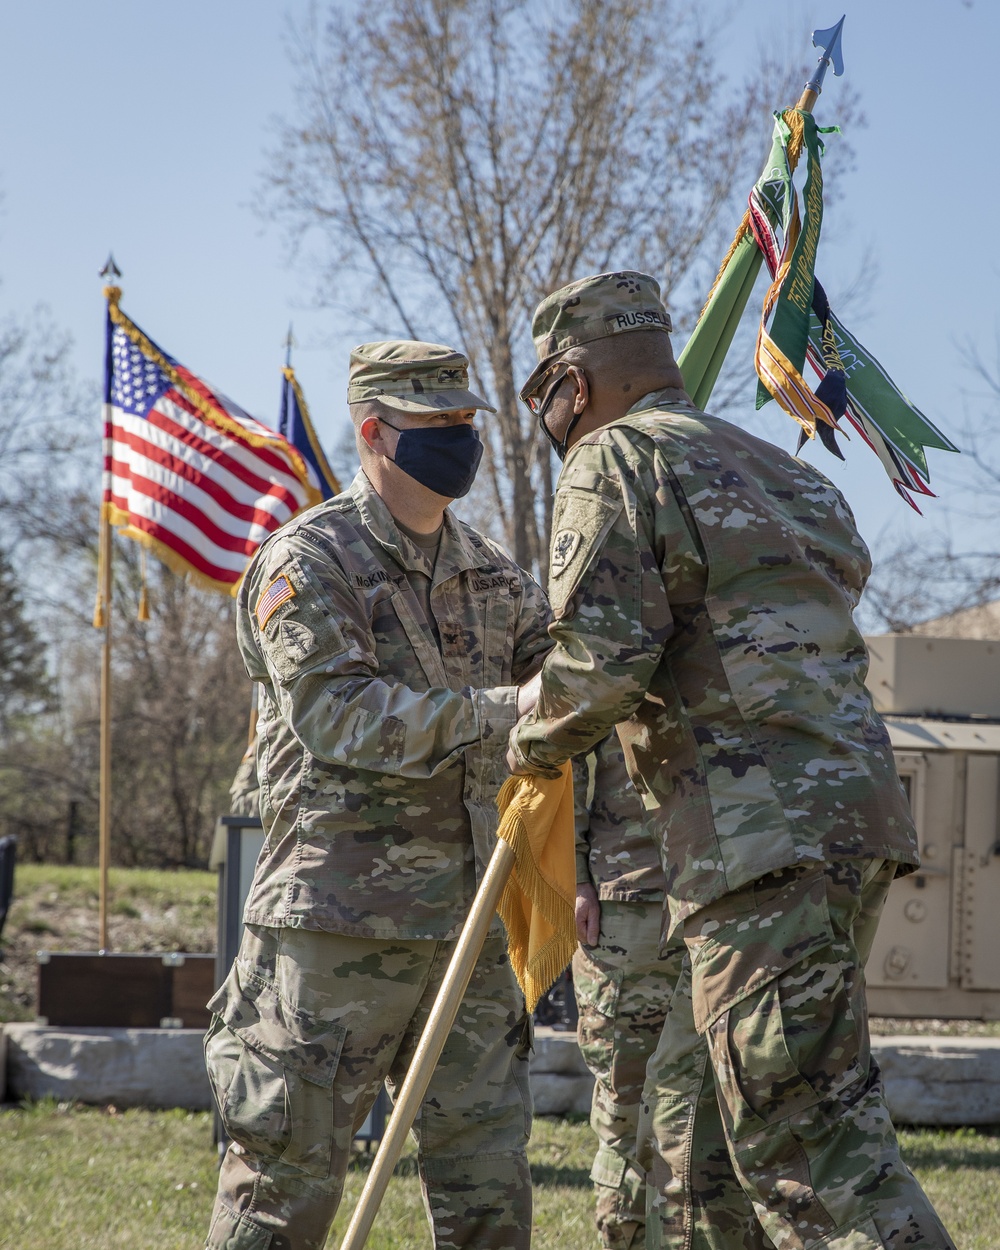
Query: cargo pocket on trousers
(598, 988)
(772, 1004)
(608, 1168)
(272, 1067)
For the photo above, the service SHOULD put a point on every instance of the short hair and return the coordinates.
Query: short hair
(362, 409)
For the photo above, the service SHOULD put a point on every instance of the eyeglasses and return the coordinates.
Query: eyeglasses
(536, 401)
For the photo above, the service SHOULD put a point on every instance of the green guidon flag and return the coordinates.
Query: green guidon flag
(798, 325)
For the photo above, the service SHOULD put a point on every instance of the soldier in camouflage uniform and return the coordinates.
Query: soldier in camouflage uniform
(622, 980)
(703, 583)
(389, 641)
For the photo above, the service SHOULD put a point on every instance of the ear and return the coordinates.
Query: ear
(581, 388)
(371, 432)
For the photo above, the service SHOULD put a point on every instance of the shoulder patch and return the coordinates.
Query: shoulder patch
(273, 596)
(297, 639)
(564, 545)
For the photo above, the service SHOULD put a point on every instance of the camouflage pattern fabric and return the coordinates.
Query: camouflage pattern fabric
(623, 987)
(295, 1082)
(764, 1076)
(381, 749)
(388, 686)
(703, 584)
(412, 376)
(614, 851)
(597, 307)
(244, 793)
(623, 983)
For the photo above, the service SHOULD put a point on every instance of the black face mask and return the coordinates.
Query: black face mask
(559, 446)
(442, 458)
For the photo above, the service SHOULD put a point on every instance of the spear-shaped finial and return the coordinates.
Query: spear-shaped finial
(110, 271)
(829, 43)
(289, 344)
(112, 291)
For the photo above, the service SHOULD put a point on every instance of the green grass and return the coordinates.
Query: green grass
(78, 1178)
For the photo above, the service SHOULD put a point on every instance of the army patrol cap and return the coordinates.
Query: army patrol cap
(411, 376)
(593, 308)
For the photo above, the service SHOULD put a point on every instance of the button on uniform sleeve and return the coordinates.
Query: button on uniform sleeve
(305, 634)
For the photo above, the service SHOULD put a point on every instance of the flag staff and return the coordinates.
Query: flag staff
(102, 620)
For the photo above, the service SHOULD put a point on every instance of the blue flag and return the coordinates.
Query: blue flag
(297, 428)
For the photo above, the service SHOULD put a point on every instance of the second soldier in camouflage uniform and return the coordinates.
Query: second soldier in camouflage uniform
(388, 640)
(623, 982)
(703, 583)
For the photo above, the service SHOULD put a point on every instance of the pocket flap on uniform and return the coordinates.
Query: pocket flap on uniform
(609, 1168)
(597, 985)
(753, 950)
(293, 1038)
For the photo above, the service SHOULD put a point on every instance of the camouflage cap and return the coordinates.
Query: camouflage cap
(594, 308)
(415, 377)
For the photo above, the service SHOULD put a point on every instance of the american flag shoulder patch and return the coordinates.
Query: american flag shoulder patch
(274, 595)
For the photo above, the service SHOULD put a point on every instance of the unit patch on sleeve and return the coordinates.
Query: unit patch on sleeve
(564, 545)
(278, 592)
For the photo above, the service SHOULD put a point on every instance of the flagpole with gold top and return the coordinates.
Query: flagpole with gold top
(103, 620)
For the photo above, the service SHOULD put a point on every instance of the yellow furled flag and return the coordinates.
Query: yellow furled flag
(539, 901)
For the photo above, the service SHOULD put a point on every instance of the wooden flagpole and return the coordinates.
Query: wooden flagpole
(432, 1040)
(102, 620)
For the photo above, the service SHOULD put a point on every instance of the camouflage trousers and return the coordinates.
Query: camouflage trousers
(623, 987)
(764, 1122)
(306, 1028)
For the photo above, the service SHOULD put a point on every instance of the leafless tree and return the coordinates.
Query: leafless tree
(454, 160)
(42, 421)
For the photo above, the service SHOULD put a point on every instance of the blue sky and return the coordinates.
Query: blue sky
(142, 128)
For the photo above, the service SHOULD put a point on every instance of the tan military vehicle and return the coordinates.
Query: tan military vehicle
(937, 953)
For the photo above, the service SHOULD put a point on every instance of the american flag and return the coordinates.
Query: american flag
(186, 471)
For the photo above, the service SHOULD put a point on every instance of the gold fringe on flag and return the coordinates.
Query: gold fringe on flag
(538, 902)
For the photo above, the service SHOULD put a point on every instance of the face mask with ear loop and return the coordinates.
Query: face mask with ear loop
(445, 458)
(540, 406)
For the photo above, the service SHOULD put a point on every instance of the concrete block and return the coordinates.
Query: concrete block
(127, 1067)
(931, 1080)
(561, 1083)
(940, 1080)
(557, 1094)
(557, 1051)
